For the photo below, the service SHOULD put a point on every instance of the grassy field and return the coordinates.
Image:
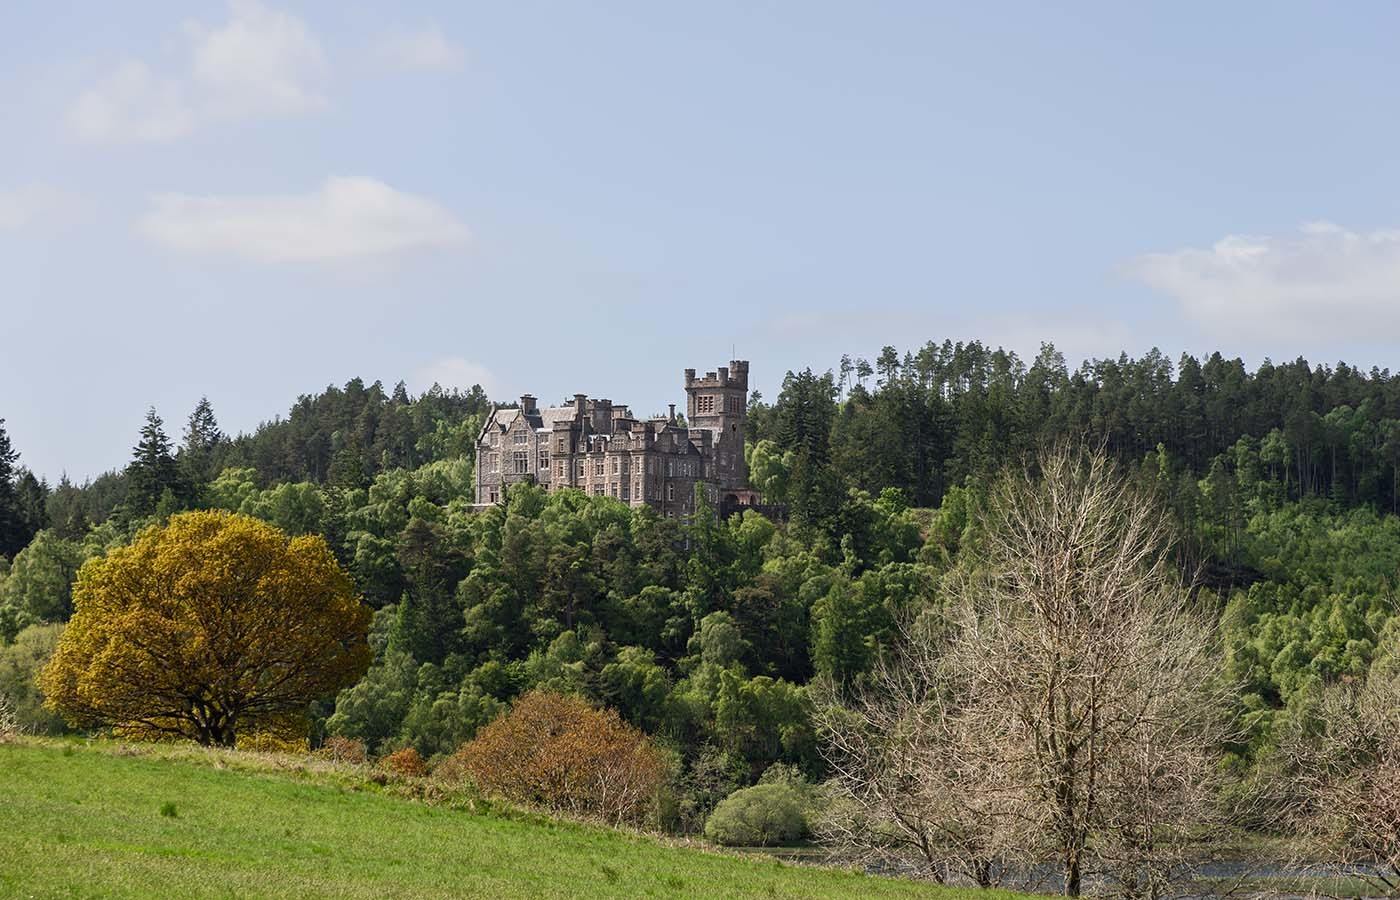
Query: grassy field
(108, 820)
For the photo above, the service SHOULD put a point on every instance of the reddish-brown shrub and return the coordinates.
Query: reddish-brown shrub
(406, 762)
(556, 751)
(343, 749)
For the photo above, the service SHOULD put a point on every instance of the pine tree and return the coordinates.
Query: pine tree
(33, 496)
(65, 510)
(14, 527)
(152, 470)
(202, 441)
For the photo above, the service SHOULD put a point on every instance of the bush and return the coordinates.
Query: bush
(407, 763)
(759, 816)
(20, 662)
(558, 752)
(343, 750)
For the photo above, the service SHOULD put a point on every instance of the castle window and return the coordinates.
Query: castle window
(705, 404)
(544, 460)
(626, 495)
(670, 492)
(670, 468)
(495, 462)
(612, 489)
(521, 461)
(626, 465)
(521, 437)
(559, 469)
(597, 490)
(561, 445)
(617, 464)
(493, 496)
(598, 467)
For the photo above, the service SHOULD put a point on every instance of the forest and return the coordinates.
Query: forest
(722, 639)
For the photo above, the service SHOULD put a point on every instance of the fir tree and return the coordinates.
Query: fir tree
(14, 526)
(152, 471)
(202, 442)
(65, 510)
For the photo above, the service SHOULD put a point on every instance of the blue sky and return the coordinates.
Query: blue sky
(253, 200)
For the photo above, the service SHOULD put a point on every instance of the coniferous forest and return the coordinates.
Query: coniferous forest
(722, 639)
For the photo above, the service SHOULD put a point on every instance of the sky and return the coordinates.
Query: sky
(251, 200)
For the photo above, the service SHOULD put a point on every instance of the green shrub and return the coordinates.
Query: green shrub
(19, 662)
(759, 816)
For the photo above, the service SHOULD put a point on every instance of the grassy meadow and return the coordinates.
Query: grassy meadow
(97, 819)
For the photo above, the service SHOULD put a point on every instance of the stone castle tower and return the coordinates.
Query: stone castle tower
(718, 403)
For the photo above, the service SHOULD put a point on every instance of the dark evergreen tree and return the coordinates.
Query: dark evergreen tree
(15, 531)
(152, 471)
(203, 441)
(33, 496)
(66, 511)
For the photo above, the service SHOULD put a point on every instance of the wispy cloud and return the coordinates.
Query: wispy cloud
(346, 218)
(1324, 281)
(424, 48)
(260, 63)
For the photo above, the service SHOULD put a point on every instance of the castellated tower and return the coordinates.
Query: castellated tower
(718, 403)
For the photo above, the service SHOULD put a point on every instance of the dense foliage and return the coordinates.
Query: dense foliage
(1283, 480)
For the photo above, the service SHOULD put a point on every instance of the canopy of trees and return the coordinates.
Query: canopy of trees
(1280, 485)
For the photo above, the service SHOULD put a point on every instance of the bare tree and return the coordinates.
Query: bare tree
(910, 791)
(1072, 711)
(1342, 759)
(9, 721)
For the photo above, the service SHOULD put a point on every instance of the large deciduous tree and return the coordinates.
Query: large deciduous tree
(213, 625)
(1070, 708)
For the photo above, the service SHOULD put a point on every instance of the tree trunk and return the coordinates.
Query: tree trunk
(1073, 876)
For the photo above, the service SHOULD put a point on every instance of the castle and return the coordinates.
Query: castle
(600, 448)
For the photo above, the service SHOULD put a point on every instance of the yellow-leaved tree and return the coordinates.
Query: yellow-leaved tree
(208, 626)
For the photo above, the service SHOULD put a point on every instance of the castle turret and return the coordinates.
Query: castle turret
(718, 403)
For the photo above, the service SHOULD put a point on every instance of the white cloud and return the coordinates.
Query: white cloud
(260, 63)
(346, 218)
(426, 48)
(35, 204)
(454, 371)
(1323, 281)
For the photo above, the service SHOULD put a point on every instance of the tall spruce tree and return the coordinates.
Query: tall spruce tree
(33, 499)
(65, 510)
(15, 530)
(198, 454)
(153, 470)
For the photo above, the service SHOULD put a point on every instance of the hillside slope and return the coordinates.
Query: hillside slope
(88, 821)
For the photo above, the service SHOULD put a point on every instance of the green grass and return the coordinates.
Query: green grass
(109, 820)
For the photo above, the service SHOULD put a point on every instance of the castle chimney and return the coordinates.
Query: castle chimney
(672, 419)
(580, 405)
(527, 402)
